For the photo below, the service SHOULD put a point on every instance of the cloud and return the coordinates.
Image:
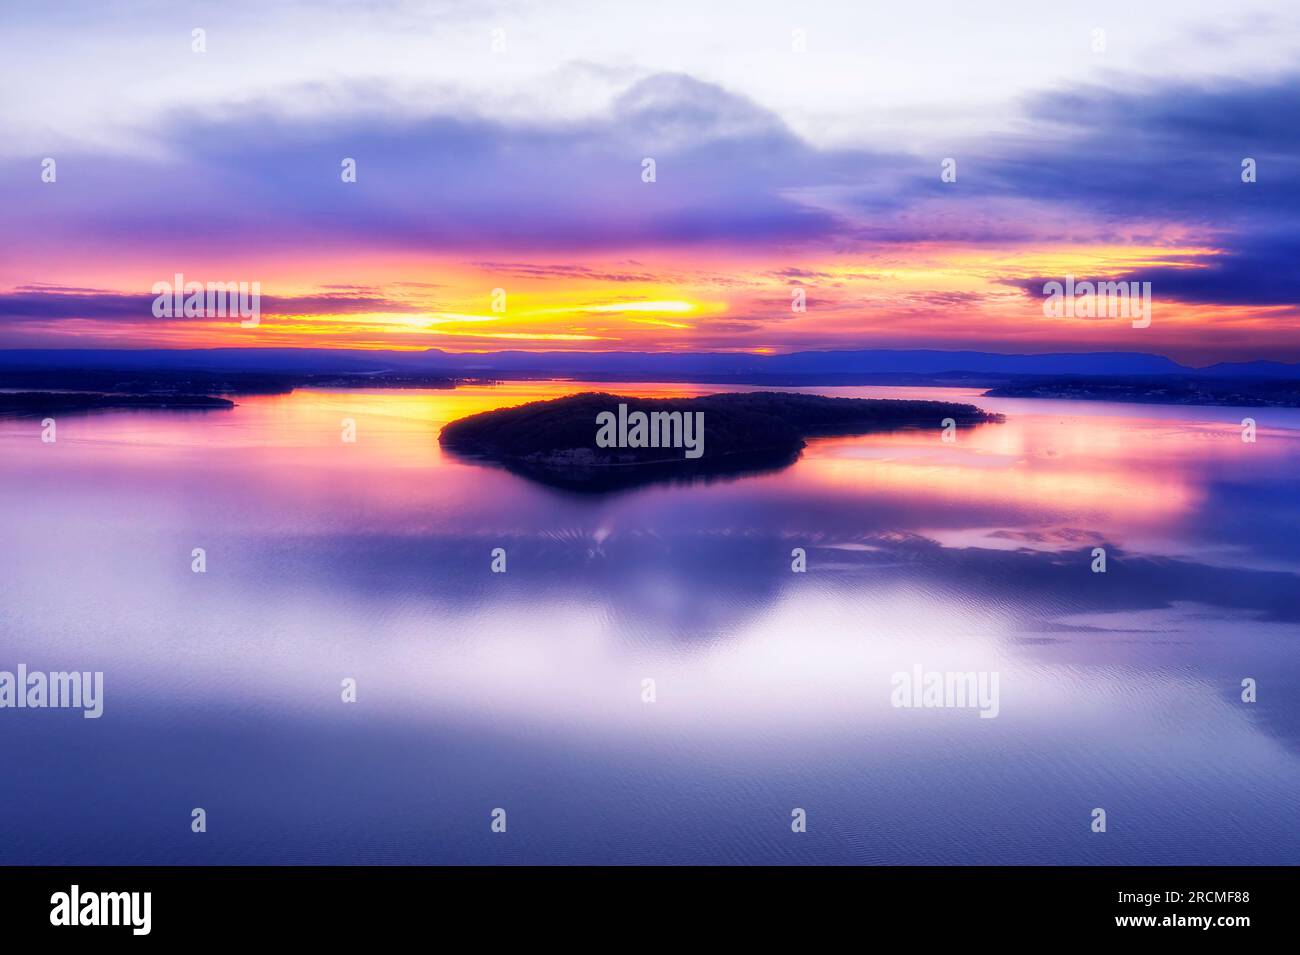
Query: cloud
(1258, 270)
(260, 179)
(52, 303)
(1163, 151)
(1253, 270)
(533, 270)
(1156, 164)
(1110, 164)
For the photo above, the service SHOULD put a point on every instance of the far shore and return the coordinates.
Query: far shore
(183, 378)
(22, 404)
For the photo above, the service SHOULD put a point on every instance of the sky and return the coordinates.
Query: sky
(500, 197)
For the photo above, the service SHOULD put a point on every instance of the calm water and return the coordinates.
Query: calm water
(476, 690)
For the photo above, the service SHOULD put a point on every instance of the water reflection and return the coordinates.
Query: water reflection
(371, 560)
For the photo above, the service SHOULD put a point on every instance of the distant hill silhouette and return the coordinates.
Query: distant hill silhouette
(810, 367)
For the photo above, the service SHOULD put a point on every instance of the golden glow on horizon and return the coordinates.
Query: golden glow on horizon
(557, 322)
(925, 295)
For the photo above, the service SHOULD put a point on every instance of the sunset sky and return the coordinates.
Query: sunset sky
(520, 168)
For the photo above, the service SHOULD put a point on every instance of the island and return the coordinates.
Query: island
(554, 442)
(34, 403)
(65, 390)
(196, 381)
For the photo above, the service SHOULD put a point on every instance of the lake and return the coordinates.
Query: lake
(525, 690)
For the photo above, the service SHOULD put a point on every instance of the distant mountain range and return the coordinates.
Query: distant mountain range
(811, 367)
